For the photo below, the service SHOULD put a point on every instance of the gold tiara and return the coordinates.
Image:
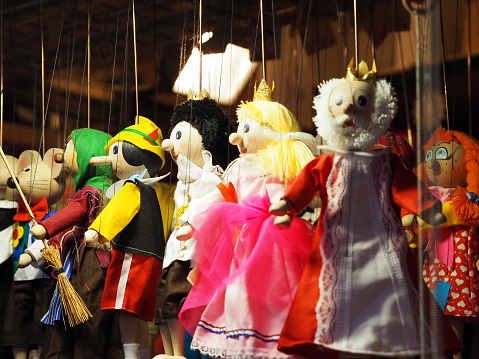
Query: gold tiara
(203, 94)
(263, 92)
(362, 73)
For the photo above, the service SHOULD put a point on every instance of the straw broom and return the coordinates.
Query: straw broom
(74, 306)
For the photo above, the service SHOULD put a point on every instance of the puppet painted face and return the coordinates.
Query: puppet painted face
(251, 137)
(445, 165)
(121, 168)
(351, 105)
(187, 141)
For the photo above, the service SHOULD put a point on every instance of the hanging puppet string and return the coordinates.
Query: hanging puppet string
(75, 308)
(113, 72)
(1, 73)
(136, 60)
(89, 65)
(423, 78)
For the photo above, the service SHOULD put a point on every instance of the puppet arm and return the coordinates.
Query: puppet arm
(405, 194)
(302, 191)
(67, 217)
(116, 215)
(32, 255)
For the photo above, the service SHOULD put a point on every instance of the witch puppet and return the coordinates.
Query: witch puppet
(85, 267)
(132, 222)
(356, 296)
(199, 146)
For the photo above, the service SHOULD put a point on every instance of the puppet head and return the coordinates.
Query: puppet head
(355, 111)
(84, 144)
(197, 125)
(451, 160)
(269, 130)
(39, 178)
(7, 193)
(134, 151)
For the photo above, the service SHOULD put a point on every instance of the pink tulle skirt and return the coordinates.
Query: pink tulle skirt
(248, 273)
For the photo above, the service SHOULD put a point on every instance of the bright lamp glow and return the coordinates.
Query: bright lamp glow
(206, 36)
(224, 75)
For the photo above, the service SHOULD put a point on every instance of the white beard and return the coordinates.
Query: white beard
(360, 136)
(367, 132)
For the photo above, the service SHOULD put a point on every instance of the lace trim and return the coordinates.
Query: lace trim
(215, 352)
(238, 332)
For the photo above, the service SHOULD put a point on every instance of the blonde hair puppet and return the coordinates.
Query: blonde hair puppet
(244, 310)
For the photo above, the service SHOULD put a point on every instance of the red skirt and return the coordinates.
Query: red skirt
(131, 284)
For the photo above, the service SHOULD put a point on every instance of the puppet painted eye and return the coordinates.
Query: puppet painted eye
(339, 100)
(362, 100)
(178, 135)
(429, 155)
(115, 149)
(441, 153)
(27, 169)
(246, 128)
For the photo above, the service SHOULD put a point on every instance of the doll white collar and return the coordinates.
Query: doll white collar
(368, 153)
(115, 187)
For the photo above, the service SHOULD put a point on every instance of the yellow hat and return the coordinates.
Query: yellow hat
(145, 135)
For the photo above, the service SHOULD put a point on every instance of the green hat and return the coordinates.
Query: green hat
(90, 143)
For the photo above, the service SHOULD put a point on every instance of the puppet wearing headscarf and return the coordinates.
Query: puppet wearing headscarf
(248, 270)
(355, 294)
(84, 266)
(132, 221)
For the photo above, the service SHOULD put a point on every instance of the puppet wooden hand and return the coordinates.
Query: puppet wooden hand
(434, 215)
(91, 237)
(184, 233)
(279, 209)
(24, 260)
(38, 231)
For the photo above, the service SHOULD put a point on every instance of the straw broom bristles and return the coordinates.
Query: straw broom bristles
(73, 305)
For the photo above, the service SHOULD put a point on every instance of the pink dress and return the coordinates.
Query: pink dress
(249, 271)
(450, 266)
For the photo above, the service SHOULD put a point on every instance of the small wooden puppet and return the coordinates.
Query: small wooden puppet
(248, 269)
(42, 183)
(84, 266)
(8, 208)
(355, 296)
(451, 169)
(199, 145)
(132, 222)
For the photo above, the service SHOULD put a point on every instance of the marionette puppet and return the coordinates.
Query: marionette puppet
(451, 169)
(199, 146)
(42, 184)
(8, 208)
(355, 296)
(132, 222)
(247, 269)
(84, 266)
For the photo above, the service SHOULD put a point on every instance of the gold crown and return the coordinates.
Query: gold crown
(362, 73)
(263, 92)
(203, 94)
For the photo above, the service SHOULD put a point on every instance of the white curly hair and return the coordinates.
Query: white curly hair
(363, 138)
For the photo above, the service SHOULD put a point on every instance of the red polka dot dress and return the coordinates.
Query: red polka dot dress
(461, 278)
